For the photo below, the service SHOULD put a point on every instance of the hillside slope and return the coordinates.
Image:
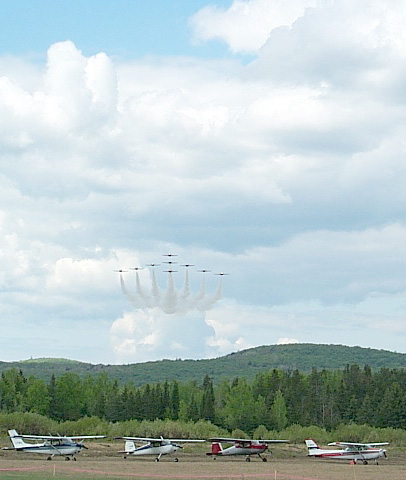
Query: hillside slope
(246, 363)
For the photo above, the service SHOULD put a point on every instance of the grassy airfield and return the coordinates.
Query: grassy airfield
(102, 461)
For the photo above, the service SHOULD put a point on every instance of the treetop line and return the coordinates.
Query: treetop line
(274, 399)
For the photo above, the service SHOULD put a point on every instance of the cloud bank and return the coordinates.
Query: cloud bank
(286, 170)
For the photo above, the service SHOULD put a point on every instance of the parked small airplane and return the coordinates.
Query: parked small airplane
(52, 444)
(352, 451)
(241, 446)
(153, 446)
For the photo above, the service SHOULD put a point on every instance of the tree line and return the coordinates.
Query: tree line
(275, 399)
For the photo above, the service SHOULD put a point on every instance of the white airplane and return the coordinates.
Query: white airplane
(241, 446)
(352, 451)
(51, 445)
(153, 446)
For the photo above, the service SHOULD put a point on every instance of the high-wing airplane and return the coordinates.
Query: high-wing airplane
(153, 446)
(351, 451)
(241, 446)
(51, 445)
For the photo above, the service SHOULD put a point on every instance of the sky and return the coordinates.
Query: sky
(264, 139)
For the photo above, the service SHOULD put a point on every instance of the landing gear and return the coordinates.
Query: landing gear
(176, 459)
(157, 459)
(247, 459)
(67, 459)
(264, 459)
(49, 458)
(364, 462)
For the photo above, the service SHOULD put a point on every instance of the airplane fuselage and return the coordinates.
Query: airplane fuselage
(151, 450)
(350, 454)
(246, 448)
(60, 449)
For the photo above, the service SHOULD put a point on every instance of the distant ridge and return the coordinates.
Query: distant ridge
(245, 363)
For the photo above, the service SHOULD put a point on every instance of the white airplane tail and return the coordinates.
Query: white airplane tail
(129, 446)
(17, 440)
(312, 446)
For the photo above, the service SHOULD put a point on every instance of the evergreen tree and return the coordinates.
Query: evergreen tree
(175, 401)
(207, 408)
(279, 412)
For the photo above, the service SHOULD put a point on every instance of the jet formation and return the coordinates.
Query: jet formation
(170, 300)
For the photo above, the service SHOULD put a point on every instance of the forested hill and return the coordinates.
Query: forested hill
(246, 363)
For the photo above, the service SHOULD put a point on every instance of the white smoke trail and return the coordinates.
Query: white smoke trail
(156, 292)
(171, 301)
(131, 298)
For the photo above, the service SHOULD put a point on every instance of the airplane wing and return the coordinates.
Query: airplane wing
(153, 440)
(41, 437)
(59, 437)
(357, 445)
(245, 440)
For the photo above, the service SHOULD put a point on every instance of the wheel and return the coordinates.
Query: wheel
(49, 458)
(176, 459)
(264, 459)
(67, 459)
(125, 457)
(157, 459)
(74, 459)
(214, 458)
(365, 462)
(248, 459)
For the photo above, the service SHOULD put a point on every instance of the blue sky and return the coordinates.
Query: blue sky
(260, 138)
(122, 28)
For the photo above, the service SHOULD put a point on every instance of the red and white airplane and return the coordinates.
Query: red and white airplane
(241, 446)
(352, 451)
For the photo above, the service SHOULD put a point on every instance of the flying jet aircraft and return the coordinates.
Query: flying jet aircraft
(153, 446)
(169, 255)
(120, 270)
(136, 268)
(241, 446)
(51, 445)
(204, 271)
(221, 273)
(352, 451)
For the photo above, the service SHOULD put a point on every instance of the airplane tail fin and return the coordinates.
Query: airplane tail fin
(129, 446)
(16, 439)
(312, 446)
(216, 448)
